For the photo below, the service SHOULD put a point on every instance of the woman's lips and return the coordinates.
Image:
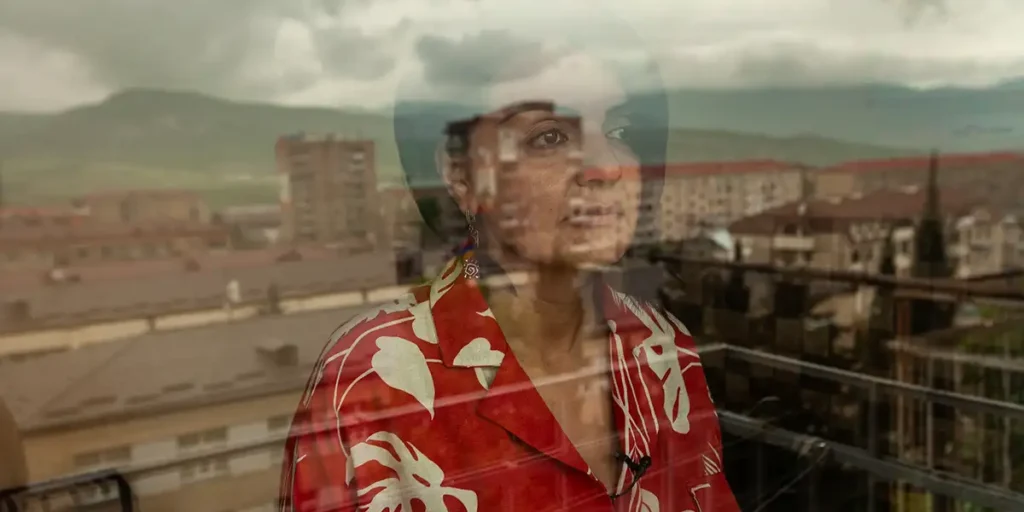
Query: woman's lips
(594, 215)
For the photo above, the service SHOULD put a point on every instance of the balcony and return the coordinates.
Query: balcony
(161, 485)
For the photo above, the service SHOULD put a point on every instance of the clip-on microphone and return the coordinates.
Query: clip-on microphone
(638, 468)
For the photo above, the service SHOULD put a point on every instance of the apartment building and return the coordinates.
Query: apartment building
(45, 217)
(160, 400)
(997, 177)
(253, 225)
(104, 302)
(328, 191)
(987, 241)
(848, 233)
(122, 226)
(35, 248)
(157, 206)
(716, 193)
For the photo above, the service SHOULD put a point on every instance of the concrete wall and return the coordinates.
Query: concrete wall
(152, 438)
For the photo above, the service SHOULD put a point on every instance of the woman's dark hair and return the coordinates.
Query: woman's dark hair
(419, 126)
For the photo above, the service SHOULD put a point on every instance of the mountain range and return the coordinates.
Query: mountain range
(157, 138)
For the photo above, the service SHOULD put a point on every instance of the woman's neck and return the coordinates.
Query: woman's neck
(542, 317)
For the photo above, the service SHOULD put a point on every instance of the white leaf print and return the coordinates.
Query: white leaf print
(446, 280)
(484, 360)
(402, 365)
(400, 304)
(660, 351)
(423, 323)
(417, 478)
(485, 375)
(478, 353)
(644, 501)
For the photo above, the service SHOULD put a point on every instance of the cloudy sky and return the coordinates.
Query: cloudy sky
(57, 53)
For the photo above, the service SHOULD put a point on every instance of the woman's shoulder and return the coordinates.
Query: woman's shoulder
(350, 346)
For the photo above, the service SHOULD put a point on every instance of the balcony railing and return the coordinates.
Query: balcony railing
(68, 492)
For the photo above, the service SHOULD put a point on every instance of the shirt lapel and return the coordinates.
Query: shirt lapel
(637, 393)
(469, 337)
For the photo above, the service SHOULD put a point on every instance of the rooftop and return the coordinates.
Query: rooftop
(735, 167)
(152, 193)
(86, 231)
(156, 372)
(945, 161)
(825, 215)
(118, 290)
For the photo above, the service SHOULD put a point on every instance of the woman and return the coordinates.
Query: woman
(554, 391)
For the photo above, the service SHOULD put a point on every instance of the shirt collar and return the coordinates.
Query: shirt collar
(468, 336)
(467, 333)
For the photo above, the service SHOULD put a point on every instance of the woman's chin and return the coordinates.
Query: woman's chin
(583, 255)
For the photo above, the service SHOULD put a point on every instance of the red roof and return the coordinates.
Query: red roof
(38, 212)
(921, 162)
(23, 278)
(147, 192)
(735, 167)
(825, 215)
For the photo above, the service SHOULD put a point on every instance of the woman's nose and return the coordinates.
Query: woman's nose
(594, 175)
(599, 164)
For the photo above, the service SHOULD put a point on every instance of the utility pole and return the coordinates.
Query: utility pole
(3, 203)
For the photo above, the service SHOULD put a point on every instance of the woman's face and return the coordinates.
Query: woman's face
(572, 195)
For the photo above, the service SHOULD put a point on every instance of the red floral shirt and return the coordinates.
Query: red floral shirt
(420, 405)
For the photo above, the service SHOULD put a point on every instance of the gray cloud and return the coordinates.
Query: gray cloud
(787, 64)
(213, 46)
(479, 58)
(352, 54)
(918, 11)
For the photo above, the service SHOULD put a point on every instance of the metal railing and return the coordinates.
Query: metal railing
(738, 424)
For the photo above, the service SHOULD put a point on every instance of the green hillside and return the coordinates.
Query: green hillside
(150, 138)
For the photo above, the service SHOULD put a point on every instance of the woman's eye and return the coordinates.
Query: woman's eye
(549, 139)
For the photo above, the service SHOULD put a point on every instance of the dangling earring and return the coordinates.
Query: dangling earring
(471, 269)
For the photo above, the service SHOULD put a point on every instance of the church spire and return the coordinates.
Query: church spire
(931, 205)
(887, 264)
(929, 239)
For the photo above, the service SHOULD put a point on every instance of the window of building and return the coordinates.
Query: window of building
(203, 439)
(109, 457)
(203, 469)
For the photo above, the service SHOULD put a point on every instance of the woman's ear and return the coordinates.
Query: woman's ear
(456, 180)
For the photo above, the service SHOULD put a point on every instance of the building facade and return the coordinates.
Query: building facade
(699, 194)
(995, 176)
(108, 227)
(72, 245)
(137, 207)
(328, 191)
(849, 234)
